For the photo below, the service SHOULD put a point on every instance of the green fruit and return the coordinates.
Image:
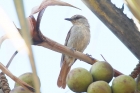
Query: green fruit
(99, 87)
(102, 71)
(138, 82)
(79, 79)
(123, 84)
(28, 78)
(19, 89)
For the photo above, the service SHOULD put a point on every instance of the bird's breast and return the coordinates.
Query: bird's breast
(79, 38)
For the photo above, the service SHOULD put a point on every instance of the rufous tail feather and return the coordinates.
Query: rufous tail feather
(61, 82)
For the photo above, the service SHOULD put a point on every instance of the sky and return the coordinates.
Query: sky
(53, 25)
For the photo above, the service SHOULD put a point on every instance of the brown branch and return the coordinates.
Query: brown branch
(123, 27)
(50, 44)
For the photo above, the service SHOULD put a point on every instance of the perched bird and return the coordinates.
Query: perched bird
(77, 38)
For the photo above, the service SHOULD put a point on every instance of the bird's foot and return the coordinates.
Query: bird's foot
(90, 56)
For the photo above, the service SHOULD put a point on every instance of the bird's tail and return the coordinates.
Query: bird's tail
(61, 82)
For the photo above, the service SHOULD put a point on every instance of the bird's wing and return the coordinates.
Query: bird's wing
(66, 41)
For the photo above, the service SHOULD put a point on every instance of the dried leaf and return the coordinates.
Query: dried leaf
(22, 83)
(39, 17)
(46, 3)
(34, 9)
(36, 38)
(4, 37)
(11, 31)
(4, 83)
(134, 6)
(136, 21)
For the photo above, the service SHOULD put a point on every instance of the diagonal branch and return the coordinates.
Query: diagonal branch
(123, 27)
(52, 45)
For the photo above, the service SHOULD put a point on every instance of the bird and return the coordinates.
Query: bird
(77, 39)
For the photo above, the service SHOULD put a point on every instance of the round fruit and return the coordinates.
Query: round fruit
(138, 82)
(28, 78)
(19, 89)
(123, 84)
(99, 87)
(79, 79)
(102, 71)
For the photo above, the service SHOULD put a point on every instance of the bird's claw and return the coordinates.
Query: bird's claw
(90, 56)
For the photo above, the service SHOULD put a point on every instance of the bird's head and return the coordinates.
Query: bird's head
(78, 19)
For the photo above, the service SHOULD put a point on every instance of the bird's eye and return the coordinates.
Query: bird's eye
(78, 17)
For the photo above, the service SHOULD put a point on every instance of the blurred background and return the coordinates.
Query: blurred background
(53, 25)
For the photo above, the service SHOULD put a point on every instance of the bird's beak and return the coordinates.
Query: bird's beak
(68, 19)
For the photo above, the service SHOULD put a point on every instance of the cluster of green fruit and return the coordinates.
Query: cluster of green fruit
(96, 80)
(26, 77)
